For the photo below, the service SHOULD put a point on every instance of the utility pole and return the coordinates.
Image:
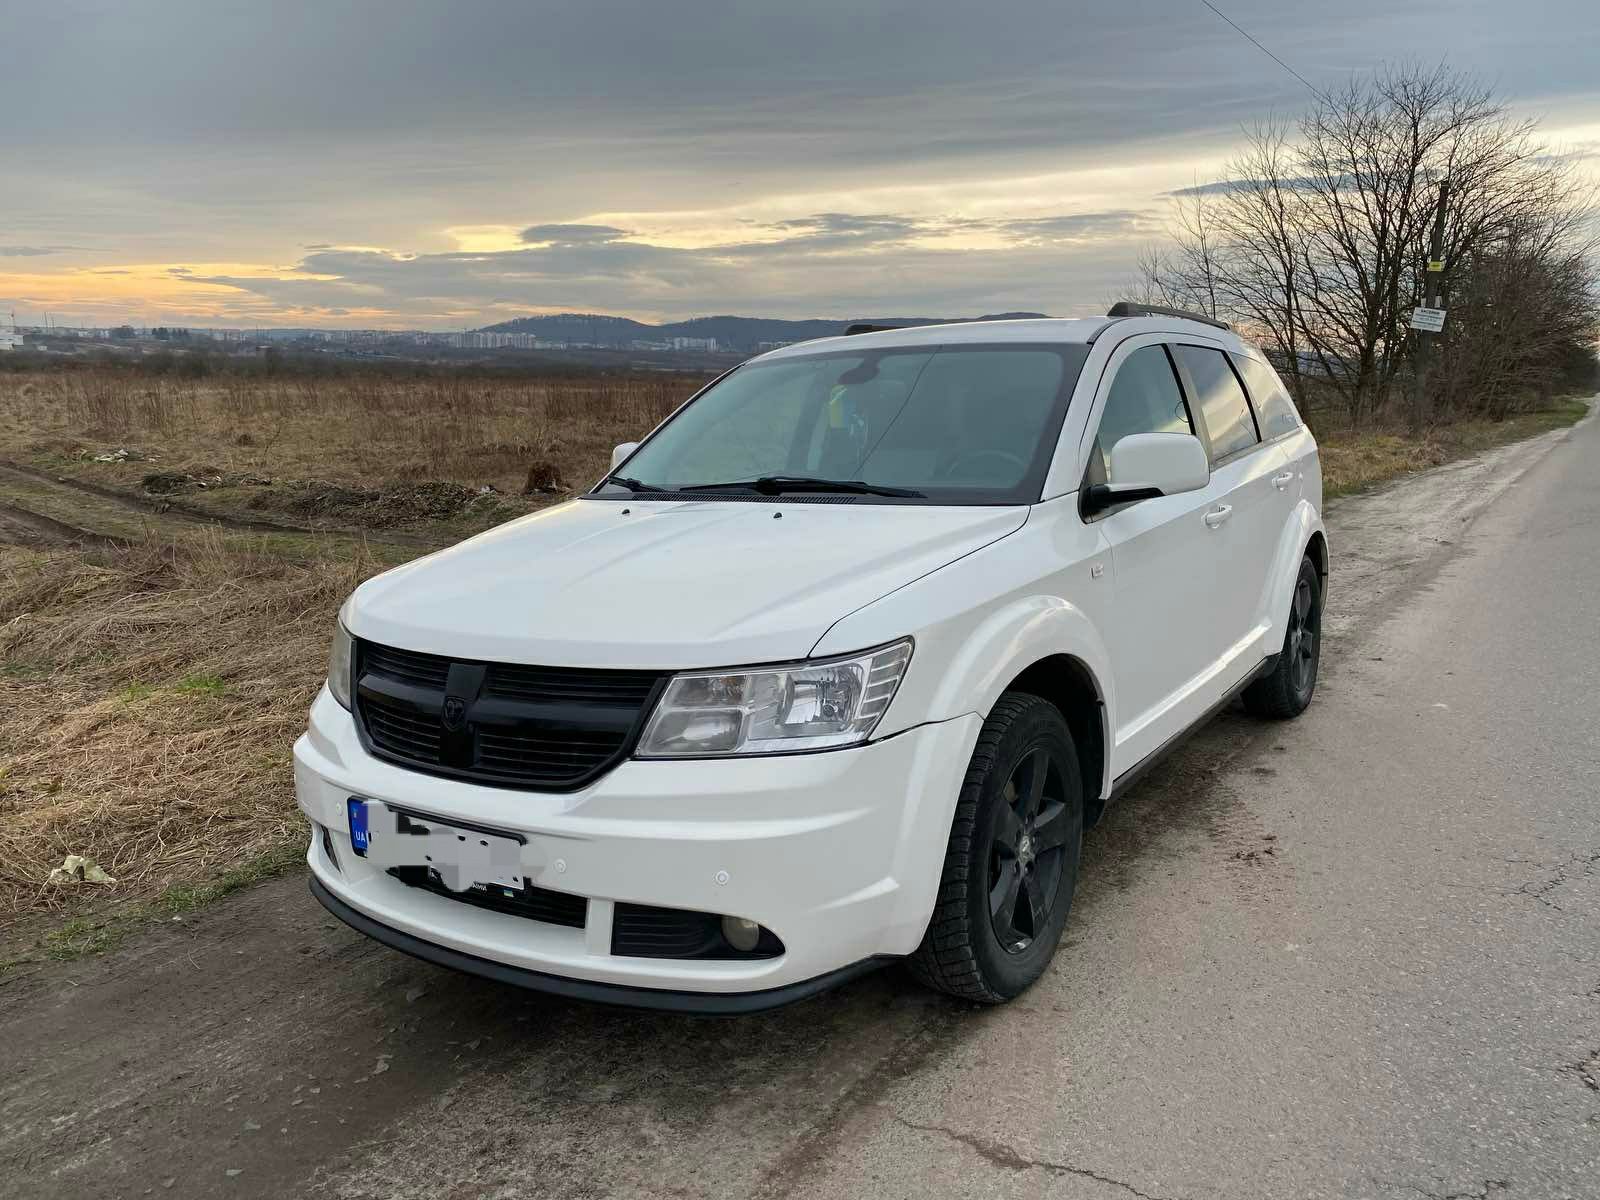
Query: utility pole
(1421, 402)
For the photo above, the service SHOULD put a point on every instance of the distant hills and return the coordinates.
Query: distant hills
(731, 333)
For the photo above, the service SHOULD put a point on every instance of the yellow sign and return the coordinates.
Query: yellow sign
(1435, 264)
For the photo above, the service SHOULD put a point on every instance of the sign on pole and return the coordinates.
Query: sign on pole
(1429, 320)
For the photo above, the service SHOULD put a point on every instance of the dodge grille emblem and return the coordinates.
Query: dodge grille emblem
(455, 712)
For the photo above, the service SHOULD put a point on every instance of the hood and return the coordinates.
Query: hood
(601, 583)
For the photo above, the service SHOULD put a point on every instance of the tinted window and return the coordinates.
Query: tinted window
(1145, 398)
(1223, 408)
(1274, 410)
(960, 424)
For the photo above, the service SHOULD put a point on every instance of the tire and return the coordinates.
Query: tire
(1025, 755)
(1284, 691)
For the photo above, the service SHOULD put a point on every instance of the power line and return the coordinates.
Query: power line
(1245, 33)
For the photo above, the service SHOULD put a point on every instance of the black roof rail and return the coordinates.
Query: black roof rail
(852, 330)
(1127, 308)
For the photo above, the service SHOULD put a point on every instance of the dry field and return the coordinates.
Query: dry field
(153, 676)
(359, 450)
(155, 671)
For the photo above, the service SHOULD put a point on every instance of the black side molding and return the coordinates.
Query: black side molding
(1134, 773)
(717, 1004)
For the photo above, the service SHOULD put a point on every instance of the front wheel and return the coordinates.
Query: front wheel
(1285, 690)
(1012, 861)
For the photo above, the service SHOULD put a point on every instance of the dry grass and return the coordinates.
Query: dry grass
(1354, 460)
(150, 698)
(360, 430)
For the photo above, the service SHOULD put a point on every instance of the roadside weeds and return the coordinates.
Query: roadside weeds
(1359, 460)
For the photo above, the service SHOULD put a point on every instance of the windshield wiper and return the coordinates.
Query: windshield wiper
(634, 485)
(778, 485)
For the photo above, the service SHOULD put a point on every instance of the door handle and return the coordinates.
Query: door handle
(1218, 515)
(1282, 481)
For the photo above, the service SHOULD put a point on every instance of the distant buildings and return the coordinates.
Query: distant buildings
(350, 342)
(483, 340)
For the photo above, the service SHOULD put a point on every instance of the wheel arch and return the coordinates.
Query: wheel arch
(1317, 549)
(1302, 535)
(1068, 683)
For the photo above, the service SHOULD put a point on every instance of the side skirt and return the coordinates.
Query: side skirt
(1136, 772)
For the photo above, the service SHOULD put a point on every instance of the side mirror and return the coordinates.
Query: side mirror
(1146, 465)
(620, 452)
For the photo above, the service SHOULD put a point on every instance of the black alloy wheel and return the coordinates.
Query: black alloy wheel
(1028, 852)
(1305, 632)
(1011, 863)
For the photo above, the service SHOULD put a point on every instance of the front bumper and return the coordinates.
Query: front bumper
(838, 853)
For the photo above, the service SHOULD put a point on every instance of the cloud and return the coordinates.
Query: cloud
(573, 235)
(1218, 187)
(1077, 226)
(840, 154)
(826, 262)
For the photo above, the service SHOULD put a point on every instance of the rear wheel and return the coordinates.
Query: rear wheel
(1287, 688)
(1012, 862)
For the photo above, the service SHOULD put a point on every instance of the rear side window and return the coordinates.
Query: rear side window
(1223, 406)
(1274, 410)
(1144, 398)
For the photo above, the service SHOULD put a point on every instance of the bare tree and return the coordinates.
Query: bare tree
(1315, 237)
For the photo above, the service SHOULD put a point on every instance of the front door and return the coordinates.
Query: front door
(1168, 624)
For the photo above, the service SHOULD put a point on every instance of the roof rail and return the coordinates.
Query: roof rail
(852, 330)
(1126, 308)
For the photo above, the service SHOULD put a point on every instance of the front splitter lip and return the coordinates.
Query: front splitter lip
(726, 1004)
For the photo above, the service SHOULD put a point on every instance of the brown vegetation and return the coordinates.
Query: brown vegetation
(1355, 459)
(353, 447)
(151, 694)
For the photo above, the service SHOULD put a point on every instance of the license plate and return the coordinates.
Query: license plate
(462, 857)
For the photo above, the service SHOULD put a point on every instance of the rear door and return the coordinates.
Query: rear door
(1280, 424)
(1247, 518)
(1167, 623)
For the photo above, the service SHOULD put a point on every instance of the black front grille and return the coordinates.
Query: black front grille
(551, 728)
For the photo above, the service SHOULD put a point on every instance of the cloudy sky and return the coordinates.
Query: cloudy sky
(438, 165)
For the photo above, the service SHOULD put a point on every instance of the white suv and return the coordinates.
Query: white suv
(833, 668)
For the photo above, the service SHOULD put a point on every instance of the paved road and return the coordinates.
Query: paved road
(1355, 955)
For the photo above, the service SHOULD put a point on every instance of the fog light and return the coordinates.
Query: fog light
(742, 935)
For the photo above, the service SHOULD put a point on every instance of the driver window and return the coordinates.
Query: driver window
(1145, 398)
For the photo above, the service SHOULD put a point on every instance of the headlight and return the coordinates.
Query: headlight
(339, 665)
(771, 710)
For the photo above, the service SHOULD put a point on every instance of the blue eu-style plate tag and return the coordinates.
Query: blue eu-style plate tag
(359, 836)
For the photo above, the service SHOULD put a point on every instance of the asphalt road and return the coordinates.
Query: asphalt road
(1353, 955)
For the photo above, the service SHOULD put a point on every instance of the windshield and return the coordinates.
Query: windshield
(931, 425)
